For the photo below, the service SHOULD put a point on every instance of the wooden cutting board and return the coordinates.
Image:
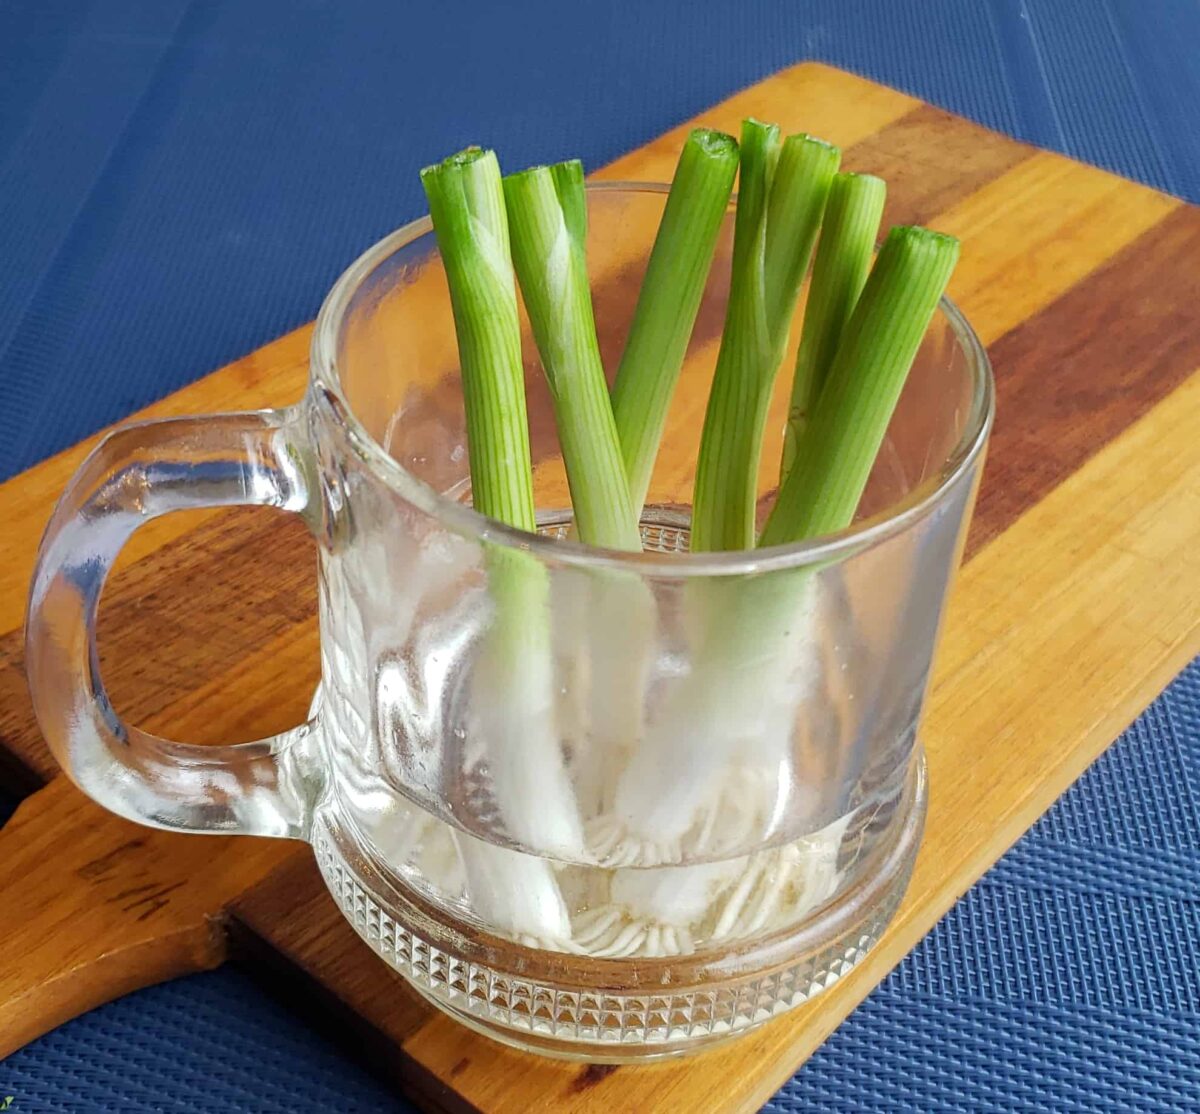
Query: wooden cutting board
(1080, 599)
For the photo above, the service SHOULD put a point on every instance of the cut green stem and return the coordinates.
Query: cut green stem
(547, 216)
(769, 260)
(670, 299)
(805, 172)
(512, 690)
(848, 234)
(467, 207)
(880, 342)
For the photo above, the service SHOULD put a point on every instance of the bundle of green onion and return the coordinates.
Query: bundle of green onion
(865, 317)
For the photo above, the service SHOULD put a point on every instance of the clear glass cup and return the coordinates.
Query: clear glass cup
(599, 805)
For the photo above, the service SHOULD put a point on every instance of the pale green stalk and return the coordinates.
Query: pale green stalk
(512, 707)
(781, 197)
(670, 299)
(805, 171)
(848, 234)
(547, 215)
(467, 207)
(880, 342)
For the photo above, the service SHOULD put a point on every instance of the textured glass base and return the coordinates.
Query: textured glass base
(613, 1011)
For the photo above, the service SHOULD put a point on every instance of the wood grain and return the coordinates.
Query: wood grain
(1133, 339)
(274, 375)
(293, 914)
(1076, 607)
(931, 161)
(94, 907)
(1033, 233)
(177, 622)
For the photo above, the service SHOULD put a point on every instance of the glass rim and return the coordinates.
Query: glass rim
(464, 520)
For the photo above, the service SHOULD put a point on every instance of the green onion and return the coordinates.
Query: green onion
(769, 260)
(547, 215)
(805, 171)
(722, 515)
(512, 703)
(836, 454)
(848, 234)
(467, 207)
(670, 299)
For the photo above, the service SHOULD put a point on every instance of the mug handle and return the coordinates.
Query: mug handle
(136, 473)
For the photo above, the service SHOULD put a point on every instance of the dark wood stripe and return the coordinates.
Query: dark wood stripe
(1072, 377)
(931, 160)
(293, 906)
(198, 606)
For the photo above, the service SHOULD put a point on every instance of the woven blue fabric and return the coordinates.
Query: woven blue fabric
(181, 181)
(204, 1043)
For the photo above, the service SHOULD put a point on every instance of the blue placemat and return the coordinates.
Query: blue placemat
(181, 181)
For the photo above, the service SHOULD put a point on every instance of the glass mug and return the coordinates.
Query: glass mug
(594, 804)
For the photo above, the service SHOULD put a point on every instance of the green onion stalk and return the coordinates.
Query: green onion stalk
(761, 633)
(838, 446)
(547, 217)
(651, 362)
(773, 640)
(834, 457)
(764, 641)
(646, 377)
(771, 647)
(669, 300)
(848, 235)
(512, 694)
(781, 200)
(608, 652)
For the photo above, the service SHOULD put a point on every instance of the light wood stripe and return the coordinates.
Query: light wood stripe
(96, 906)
